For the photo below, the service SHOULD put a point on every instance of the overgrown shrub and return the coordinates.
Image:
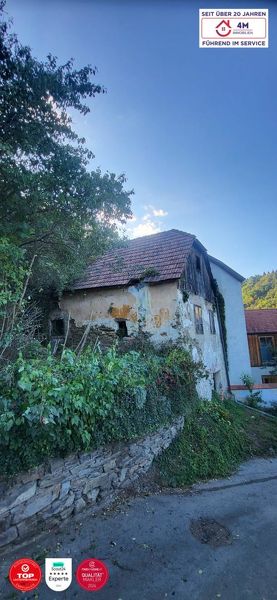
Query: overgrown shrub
(51, 407)
(211, 444)
(253, 399)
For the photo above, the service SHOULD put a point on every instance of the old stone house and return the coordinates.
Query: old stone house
(165, 285)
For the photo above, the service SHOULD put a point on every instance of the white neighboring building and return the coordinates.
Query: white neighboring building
(261, 325)
(229, 284)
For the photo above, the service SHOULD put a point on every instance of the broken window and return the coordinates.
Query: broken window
(198, 319)
(57, 328)
(212, 323)
(122, 330)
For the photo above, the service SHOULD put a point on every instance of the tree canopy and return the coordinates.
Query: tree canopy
(52, 205)
(260, 291)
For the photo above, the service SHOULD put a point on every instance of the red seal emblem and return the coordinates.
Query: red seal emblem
(92, 574)
(25, 574)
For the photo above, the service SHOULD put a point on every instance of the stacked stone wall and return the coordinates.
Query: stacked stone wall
(47, 495)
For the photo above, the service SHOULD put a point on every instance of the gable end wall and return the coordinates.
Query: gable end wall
(237, 345)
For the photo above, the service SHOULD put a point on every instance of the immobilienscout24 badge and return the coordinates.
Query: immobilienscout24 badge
(58, 573)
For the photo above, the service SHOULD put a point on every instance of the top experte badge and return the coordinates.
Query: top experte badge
(58, 573)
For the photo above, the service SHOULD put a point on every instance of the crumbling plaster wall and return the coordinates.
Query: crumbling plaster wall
(159, 310)
(206, 346)
(146, 308)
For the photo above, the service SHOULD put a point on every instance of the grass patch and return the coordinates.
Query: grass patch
(215, 439)
(261, 432)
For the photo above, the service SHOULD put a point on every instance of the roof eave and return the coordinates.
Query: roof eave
(147, 280)
(262, 332)
(225, 267)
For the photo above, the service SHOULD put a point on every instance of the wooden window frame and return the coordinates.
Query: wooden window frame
(212, 322)
(266, 378)
(270, 362)
(198, 319)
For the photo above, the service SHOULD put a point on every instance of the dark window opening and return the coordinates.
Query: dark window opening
(198, 319)
(134, 281)
(198, 263)
(217, 381)
(266, 349)
(185, 296)
(122, 330)
(269, 378)
(214, 382)
(212, 323)
(58, 328)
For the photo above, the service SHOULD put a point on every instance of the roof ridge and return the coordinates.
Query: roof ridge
(151, 235)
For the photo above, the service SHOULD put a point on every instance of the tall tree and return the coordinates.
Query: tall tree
(260, 291)
(51, 204)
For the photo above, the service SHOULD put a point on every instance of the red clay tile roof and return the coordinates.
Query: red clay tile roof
(261, 320)
(164, 252)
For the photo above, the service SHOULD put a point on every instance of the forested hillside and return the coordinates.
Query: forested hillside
(260, 291)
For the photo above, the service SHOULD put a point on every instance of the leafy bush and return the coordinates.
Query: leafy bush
(254, 398)
(211, 444)
(51, 407)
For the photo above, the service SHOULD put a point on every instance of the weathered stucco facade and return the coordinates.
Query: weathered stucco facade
(158, 310)
(206, 346)
(161, 285)
(145, 308)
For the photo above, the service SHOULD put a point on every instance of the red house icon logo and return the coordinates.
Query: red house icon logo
(223, 28)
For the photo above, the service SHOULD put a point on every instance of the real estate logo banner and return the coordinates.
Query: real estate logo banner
(233, 28)
(58, 573)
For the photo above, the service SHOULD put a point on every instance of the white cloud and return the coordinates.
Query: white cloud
(156, 212)
(148, 223)
(159, 212)
(146, 228)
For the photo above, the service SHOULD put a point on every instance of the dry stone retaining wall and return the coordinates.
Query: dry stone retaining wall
(50, 493)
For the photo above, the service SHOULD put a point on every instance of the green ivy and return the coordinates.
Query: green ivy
(221, 309)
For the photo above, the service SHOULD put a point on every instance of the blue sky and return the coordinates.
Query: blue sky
(194, 129)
